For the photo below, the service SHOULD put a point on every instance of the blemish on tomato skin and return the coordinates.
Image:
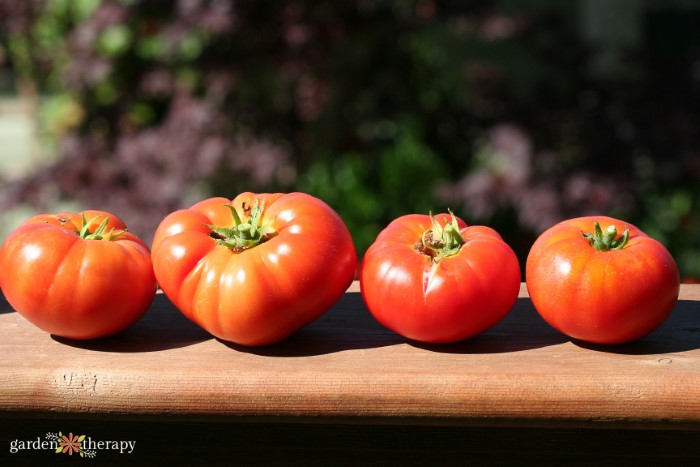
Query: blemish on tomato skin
(431, 279)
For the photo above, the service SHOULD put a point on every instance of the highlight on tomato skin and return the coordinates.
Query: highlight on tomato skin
(601, 280)
(77, 275)
(434, 279)
(255, 269)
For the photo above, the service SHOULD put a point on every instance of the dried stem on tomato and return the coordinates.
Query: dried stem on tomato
(439, 241)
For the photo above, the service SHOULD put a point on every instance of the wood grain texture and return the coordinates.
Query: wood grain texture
(346, 368)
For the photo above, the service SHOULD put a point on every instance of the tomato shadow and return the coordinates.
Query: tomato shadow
(162, 328)
(310, 344)
(350, 326)
(680, 333)
(5, 306)
(492, 343)
(522, 329)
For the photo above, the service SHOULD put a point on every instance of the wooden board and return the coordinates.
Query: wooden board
(346, 368)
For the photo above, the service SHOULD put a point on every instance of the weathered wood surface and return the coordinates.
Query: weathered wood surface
(346, 368)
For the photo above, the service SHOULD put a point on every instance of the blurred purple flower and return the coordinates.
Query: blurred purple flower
(506, 176)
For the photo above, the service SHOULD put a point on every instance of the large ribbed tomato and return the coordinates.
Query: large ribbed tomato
(256, 269)
(79, 276)
(594, 285)
(439, 283)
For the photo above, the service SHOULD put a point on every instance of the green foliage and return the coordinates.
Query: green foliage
(671, 216)
(369, 190)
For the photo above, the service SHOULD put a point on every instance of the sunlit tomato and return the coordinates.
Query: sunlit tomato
(594, 285)
(79, 276)
(436, 282)
(256, 269)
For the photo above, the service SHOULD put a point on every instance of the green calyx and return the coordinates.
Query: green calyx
(607, 240)
(243, 235)
(439, 241)
(101, 232)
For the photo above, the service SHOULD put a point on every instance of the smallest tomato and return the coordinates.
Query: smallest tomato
(79, 276)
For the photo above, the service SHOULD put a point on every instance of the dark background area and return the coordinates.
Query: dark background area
(515, 116)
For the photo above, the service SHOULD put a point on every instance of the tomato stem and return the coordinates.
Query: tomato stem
(101, 232)
(606, 240)
(243, 235)
(440, 242)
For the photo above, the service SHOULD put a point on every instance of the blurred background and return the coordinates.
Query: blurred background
(513, 114)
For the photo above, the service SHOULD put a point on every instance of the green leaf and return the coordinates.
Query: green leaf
(222, 231)
(106, 93)
(102, 228)
(191, 46)
(151, 48)
(114, 41)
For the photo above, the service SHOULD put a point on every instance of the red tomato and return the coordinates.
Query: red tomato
(594, 285)
(435, 283)
(256, 269)
(80, 276)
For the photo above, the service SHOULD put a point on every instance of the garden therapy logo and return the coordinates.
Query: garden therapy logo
(70, 444)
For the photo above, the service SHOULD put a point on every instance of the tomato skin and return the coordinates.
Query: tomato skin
(264, 294)
(451, 300)
(603, 297)
(73, 287)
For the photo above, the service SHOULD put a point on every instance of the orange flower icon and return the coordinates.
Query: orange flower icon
(70, 444)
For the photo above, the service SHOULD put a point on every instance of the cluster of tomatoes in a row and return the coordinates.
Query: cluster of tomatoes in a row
(256, 269)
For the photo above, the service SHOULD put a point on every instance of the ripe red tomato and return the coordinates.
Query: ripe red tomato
(437, 283)
(256, 269)
(594, 285)
(79, 276)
